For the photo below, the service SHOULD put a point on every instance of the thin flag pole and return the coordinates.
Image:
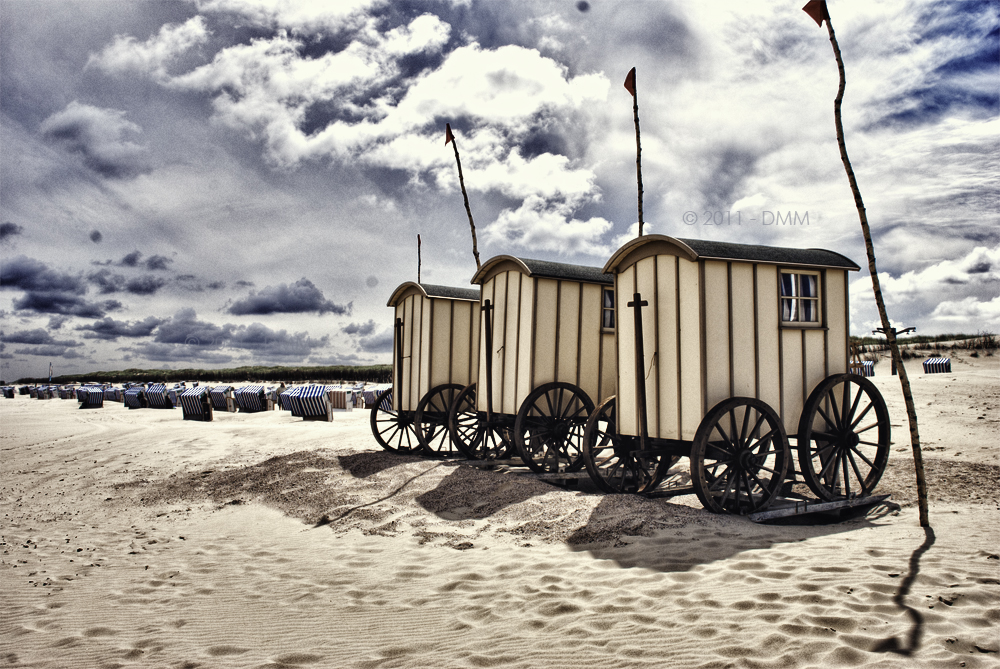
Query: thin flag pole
(819, 12)
(449, 137)
(630, 87)
(418, 258)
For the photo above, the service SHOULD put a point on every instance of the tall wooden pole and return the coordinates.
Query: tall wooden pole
(631, 88)
(449, 137)
(418, 258)
(817, 9)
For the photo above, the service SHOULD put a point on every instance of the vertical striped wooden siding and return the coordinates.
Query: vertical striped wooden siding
(440, 344)
(712, 331)
(544, 330)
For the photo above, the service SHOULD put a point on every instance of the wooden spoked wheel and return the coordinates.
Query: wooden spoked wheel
(431, 420)
(739, 457)
(844, 437)
(393, 429)
(470, 432)
(615, 462)
(548, 429)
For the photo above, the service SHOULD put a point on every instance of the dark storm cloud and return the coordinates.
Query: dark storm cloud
(131, 260)
(361, 329)
(29, 274)
(37, 337)
(380, 343)
(49, 351)
(300, 297)
(97, 135)
(56, 322)
(65, 304)
(96, 236)
(733, 166)
(185, 328)
(268, 343)
(108, 282)
(9, 230)
(156, 262)
(144, 285)
(110, 329)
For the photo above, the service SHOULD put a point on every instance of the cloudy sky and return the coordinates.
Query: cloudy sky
(213, 183)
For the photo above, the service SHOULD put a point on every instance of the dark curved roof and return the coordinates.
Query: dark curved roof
(700, 249)
(548, 269)
(431, 290)
(778, 255)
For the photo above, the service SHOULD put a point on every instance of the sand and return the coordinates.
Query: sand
(136, 539)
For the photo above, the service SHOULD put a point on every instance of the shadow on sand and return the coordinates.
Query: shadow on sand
(468, 492)
(909, 644)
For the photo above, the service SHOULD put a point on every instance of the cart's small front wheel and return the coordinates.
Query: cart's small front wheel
(470, 431)
(393, 429)
(548, 429)
(615, 462)
(739, 457)
(431, 420)
(843, 438)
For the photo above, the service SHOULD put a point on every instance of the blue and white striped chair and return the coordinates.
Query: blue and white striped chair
(196, 404)
(156, 396)
(91, 397)
(864, 368)
(372, 392)
(288, 401)
(8, 392)
(252, 399)
(135, 398)
(223, 399)
(315, 403)
(937, 366)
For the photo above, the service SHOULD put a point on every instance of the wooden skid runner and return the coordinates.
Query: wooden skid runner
(783, 507)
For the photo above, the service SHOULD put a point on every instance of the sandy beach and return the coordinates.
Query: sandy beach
(137, 539)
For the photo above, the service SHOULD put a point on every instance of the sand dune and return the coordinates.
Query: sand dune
(132, 538)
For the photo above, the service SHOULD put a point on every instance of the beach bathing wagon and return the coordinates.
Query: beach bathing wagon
(435, 356)
(546, 352)
(723, 351)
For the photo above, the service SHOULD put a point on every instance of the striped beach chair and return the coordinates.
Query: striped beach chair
(196, 404)
(223, 398)
(341, 398)
(24, 390)
(112, 394)
(370, 393)
(135, 398)
(252, 399)
(315, 403)
(8, 392)
(90, 397)
(937, 366)
(156, 396)
(864, 368)
(288, 401)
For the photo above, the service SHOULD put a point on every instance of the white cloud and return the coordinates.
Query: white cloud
(547, 226)
(126, 54)
(98, 135)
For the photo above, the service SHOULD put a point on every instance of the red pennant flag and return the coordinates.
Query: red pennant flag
(630, 82)
(447, 134)
(817, 10)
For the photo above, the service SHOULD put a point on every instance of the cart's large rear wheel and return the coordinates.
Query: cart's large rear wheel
(469, 430)
(614, 462)
(739, 457)
(393, 429)
(431, 420)
(548, 429)
(843, 439)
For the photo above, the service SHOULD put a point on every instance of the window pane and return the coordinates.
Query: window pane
(807, 283)
(609, 298)
(809, 310)
(787, 285)
(788, 310)
(608, 318)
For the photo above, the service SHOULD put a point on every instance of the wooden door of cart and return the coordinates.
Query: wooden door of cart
(435, 356)
(546, 349)
(724, 350)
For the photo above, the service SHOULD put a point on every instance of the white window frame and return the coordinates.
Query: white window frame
(606, 310)
(796, 300)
